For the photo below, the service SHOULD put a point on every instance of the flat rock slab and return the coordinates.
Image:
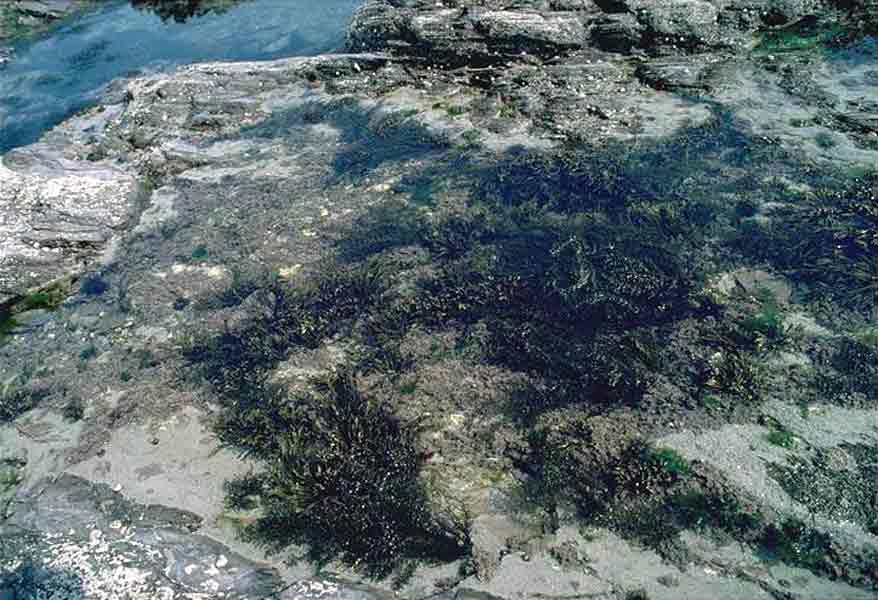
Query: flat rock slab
(90, 541)
(178, 465)
(55, 212)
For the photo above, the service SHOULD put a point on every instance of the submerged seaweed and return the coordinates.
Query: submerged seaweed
(828, 242)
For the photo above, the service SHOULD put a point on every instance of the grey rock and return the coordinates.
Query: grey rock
(45, 9)
(678, 23)
(374, 26)
(55, 211)
(31, 320)
(82, 526)
(472, 35)
(675, 73)
(487, 548)
(617, 32)
(491, 536)
(532, 29)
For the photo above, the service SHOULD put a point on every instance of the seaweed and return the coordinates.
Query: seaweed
(341, 478)
(181, 11)
(670, 460)
(732, 370)
(74, 410)
(781, 438)
(792, 541)
(14, 403)
(243, 492)
(847, 493)
(806, 35)
(857, 362)
(8, 324)
(93, 285)
(556, 269)
(829, 242)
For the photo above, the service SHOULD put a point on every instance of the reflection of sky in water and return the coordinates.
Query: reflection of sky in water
(52, 77)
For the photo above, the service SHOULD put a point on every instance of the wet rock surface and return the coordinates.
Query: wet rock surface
(23, 17)
(184, 193)
(85, 537)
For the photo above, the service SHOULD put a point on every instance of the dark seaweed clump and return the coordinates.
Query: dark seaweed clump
(181, 11)
(342, 479)
(548, 271)
(829, 242)
(14, 403)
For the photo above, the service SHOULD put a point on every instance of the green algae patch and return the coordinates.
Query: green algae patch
(766, 322)
(670, 460)
(7, 326)
(781, 438)
(807, 35)
(49, 297)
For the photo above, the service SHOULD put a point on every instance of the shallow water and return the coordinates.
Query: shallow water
(64, 71)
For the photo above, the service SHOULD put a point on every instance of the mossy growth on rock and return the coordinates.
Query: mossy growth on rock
(782, 438)
(765, 324)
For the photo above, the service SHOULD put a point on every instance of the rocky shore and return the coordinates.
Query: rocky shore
(186, 203)
(19, 18)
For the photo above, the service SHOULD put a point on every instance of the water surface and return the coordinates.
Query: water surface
(64, 71)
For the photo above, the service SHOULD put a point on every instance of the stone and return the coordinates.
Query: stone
(617, 32)
(71, 518)
(675, 73)
(678, 23)
(55, 212)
